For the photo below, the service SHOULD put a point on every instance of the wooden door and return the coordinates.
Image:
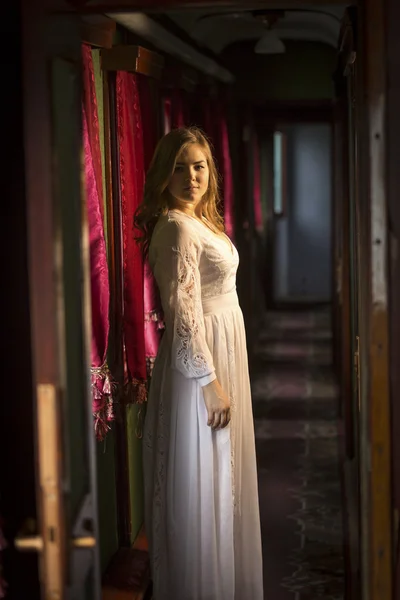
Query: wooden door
(354, 317)
(347, 292)
(66, 536)
(367, 484)
(374, 348)
(364, 308)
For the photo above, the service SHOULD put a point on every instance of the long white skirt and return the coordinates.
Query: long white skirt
(201, 496)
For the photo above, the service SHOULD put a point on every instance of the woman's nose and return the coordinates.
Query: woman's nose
(191, 175)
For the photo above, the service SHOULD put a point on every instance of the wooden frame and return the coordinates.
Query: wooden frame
(116, 362)
(380, 517)
(349, 97)
(103, 6)
(98, 31)
(393, 173)
(134, 59)
(17, 417)
(51, 61)
(342, 341)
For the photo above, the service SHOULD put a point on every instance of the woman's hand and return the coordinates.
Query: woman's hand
(217, 404)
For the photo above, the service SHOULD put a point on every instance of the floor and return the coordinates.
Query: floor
(297, 435)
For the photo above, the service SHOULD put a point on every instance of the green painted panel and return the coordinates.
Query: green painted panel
(107, 500)
(67, 194)
(135, 469)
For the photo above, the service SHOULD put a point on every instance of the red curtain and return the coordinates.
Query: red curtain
(226, 172)
(176, 109)
(92, 115)
(102, 387)
(214, 122)
(153, 322)
(131, 164)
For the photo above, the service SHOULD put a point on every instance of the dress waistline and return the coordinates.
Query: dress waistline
(220, 303)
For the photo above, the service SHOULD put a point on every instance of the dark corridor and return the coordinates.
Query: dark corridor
(298, 440)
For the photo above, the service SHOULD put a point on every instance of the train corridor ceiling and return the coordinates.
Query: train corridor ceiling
(217, 29)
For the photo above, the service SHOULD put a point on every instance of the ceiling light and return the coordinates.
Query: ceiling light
(269, 43)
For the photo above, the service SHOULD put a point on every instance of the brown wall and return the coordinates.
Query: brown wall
(393, 153)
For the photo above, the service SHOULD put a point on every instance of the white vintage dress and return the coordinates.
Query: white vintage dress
(201, 497)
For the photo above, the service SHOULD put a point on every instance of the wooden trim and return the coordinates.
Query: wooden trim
(98, 31)
(93, 6)
(347, 41)
(116, 293)
(133, 58)
(345, 373)
(381, 549)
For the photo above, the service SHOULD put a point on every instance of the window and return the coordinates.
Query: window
(279, 173)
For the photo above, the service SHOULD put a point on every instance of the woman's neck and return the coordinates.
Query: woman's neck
(188, 209)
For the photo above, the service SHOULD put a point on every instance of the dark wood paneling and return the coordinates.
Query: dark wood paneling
(98, 31)
(393, 141)
(17, 468)
(380, 558)
(148, 5)
(133, 58)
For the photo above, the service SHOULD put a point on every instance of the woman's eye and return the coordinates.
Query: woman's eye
(199, 167)
(178, 169)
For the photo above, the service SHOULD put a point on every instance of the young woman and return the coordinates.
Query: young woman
(201, 497)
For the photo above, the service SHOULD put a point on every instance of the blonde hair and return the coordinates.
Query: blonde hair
(156, 195)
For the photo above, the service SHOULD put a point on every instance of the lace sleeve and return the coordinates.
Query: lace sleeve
(178, 277)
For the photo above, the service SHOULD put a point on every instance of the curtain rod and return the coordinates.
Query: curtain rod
(164, 40)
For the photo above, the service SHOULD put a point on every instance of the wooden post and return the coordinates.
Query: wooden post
(378, 406)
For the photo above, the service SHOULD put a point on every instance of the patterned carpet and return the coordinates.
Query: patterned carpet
(297, 433)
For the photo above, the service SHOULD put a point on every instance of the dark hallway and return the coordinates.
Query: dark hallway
(297, 432)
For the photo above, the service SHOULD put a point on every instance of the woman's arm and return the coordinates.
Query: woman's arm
(178, 278)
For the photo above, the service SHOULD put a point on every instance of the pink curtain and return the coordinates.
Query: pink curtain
(92, 116)
(101, 381)
(226, 171)
(179, 109)
(215, 125)
(131, 158)
(258, 212)
(176, 110)
(153, 321)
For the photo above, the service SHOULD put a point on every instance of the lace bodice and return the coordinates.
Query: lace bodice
(190, 264)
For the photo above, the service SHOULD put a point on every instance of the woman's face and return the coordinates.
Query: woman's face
(189, 181)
